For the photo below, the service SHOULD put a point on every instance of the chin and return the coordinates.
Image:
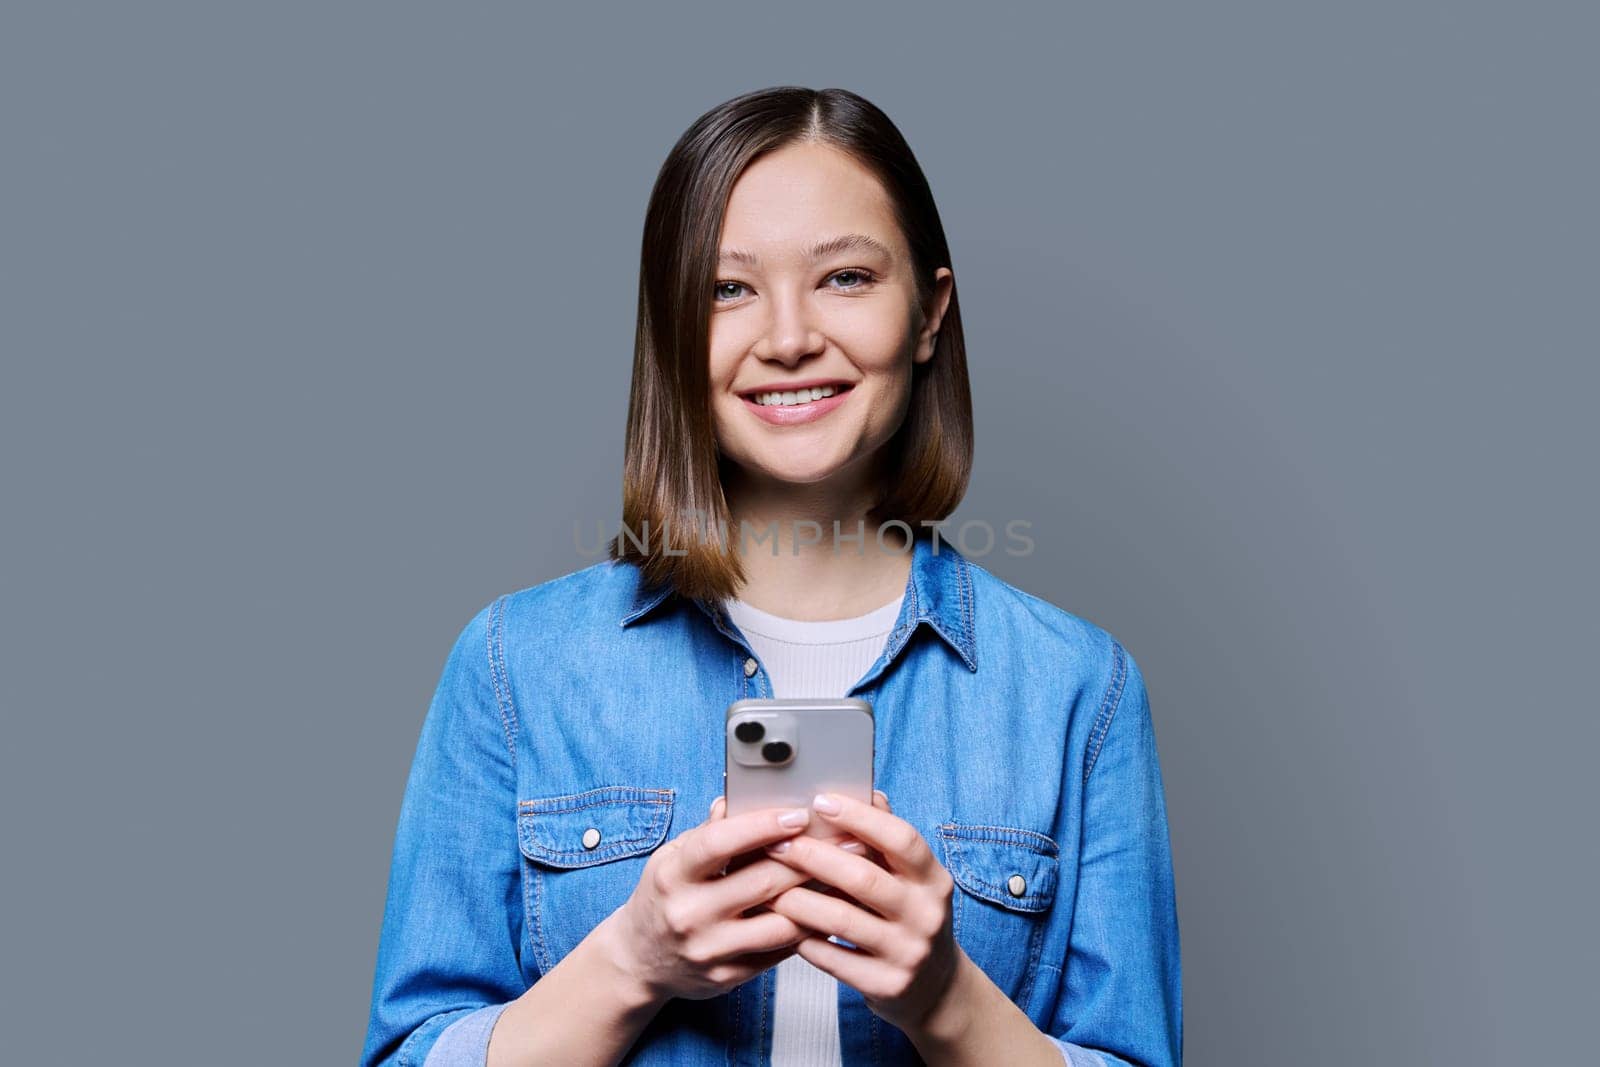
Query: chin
(793, 466)
(807, 475)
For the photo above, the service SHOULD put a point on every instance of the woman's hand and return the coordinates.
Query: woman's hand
(683, 932)
(897, 915)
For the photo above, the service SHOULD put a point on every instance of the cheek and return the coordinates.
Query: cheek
(881, 348)
(723, 416)
(875, 342)
(724, 360)
(721, 371)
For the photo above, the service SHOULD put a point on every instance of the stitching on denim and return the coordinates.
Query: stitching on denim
(621, 794)
(1041, 893)
(956, 910)
(916, 603)
(541, 945)
(957, 829)
(497, 675)
(530, 908)
(651, 833)
(500, 680)
(531, 807)
(768, 979)
(901, 634)
(970, 644)
(736, 996)
(1038, 900)
(1108, 707)
(609, 852)
(1031, 974)
(877, 1054)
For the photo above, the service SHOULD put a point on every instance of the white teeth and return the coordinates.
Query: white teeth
(795, 396)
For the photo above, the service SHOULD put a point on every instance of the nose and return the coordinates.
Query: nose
(790, 335)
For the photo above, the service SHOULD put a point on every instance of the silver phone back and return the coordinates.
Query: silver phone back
(830, 744)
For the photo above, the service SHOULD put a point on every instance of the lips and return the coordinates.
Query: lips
(802, 411)
(796, 392)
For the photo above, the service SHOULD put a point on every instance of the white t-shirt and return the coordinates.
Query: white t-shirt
(811, 659)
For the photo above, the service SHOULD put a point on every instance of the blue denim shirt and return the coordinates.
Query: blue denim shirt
(1015, 736)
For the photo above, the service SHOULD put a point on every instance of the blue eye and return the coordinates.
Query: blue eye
(866, 277)
(862, 279)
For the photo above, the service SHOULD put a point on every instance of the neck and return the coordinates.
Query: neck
(794, 565)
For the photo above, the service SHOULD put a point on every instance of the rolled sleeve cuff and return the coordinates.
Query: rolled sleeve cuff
(465, 1042)
(1074, 1055)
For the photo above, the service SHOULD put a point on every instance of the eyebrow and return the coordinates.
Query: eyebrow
(822, 249)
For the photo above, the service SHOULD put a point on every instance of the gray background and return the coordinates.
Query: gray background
(317, 324)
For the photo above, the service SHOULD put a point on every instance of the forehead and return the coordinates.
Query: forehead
(789, 198)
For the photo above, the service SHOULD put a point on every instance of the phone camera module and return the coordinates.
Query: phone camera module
(775, 751)
(749, 730)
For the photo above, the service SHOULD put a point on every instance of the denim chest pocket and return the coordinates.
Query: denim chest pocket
(1006, 884)
(582, 855)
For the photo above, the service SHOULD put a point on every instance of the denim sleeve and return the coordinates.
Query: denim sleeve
(1121, 1000)
(449, 948)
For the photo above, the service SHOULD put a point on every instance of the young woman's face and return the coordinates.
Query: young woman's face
(814, 292)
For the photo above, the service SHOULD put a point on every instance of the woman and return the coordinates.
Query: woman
(799, 420)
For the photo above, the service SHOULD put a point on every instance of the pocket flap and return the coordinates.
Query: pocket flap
(597, 825)
(1013, 868)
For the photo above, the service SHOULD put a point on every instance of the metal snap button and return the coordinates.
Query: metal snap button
(1016, 885)
(750, 666)
(591, 837)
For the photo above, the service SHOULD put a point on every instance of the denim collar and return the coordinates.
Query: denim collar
(938, 593)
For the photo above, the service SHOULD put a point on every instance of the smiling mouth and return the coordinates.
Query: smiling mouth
(795, 397)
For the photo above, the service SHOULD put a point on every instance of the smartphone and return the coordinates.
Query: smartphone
(782, 752)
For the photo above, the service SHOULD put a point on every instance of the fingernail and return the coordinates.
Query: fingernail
(794, 817)
(851, 846)
(825, 804)
(781, 846)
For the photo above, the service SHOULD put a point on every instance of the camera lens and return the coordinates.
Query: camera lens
(749, 730)
(775, 751)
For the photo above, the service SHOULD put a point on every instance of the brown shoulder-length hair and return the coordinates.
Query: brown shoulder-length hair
(676, 523)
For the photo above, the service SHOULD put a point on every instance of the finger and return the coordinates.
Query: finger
(849, 844)
(767, 932)
(757, 962)
(902, 846)
(869, 975)
(719, 808)
(870, 854)
(858, 848)
(755, 883)
(844, 841)
(840, 918)
(861, 848)
(708, 847)
(858, 877)
(880, 799)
